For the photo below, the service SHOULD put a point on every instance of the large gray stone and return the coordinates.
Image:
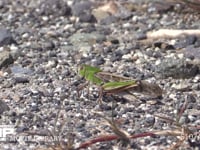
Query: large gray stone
(177, 68)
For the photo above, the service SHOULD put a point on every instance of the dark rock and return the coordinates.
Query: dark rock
(176, 68)
(6, 37)
(54, 7)
(5, 59)
(3, 107)
(21, 79)
(87, 17)
(81, 8)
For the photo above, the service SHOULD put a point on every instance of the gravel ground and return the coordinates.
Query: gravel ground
(43, 42)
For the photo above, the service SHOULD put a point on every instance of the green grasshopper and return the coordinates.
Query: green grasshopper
(114, 84)
(140, 86)
(116, 87)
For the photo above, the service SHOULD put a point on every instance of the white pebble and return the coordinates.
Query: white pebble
(180, 55)
(45, 18)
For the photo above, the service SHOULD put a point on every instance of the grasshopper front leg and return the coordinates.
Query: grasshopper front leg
(100, 99)
(81, 87)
